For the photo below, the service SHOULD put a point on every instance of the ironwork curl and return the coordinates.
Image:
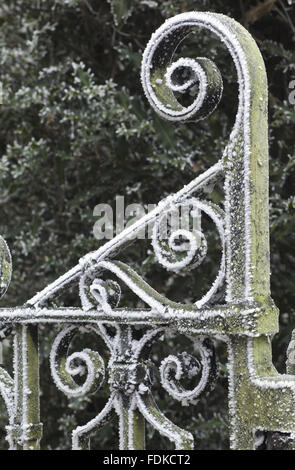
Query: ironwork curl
(161, 78)
(175, 368)
(64, 368)
(192, 247)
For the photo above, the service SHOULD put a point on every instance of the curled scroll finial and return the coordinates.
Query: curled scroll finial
(162, 79)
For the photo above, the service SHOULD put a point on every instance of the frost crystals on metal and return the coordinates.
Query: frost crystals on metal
(261, 401)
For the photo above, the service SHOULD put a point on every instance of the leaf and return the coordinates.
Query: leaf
(166, 131)
(273, 48)
(84, 77)
(121, 10)
(258, 11)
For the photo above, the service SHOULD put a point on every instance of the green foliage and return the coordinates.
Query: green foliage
(76, 130)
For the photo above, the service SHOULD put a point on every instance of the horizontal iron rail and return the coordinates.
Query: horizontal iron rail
(226, 319)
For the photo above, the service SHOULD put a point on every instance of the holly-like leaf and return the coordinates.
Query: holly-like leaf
(121, 10)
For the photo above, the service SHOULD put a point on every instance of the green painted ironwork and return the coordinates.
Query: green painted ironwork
(261, 401)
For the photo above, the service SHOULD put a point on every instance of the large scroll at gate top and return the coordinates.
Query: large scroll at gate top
(261, 401)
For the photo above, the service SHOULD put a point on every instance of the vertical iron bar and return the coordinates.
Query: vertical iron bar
(133, 428)
(27, 429)
(132, 423)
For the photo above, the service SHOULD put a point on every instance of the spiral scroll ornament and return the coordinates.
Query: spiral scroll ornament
(64, 367)
(178, 240)
(96, 293)
(162, 79)
(182, 249)
(183, 366)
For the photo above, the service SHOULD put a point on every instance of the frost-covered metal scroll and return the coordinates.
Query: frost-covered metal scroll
(236, 309)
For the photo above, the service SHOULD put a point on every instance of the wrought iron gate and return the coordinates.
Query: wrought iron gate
(260, 399)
